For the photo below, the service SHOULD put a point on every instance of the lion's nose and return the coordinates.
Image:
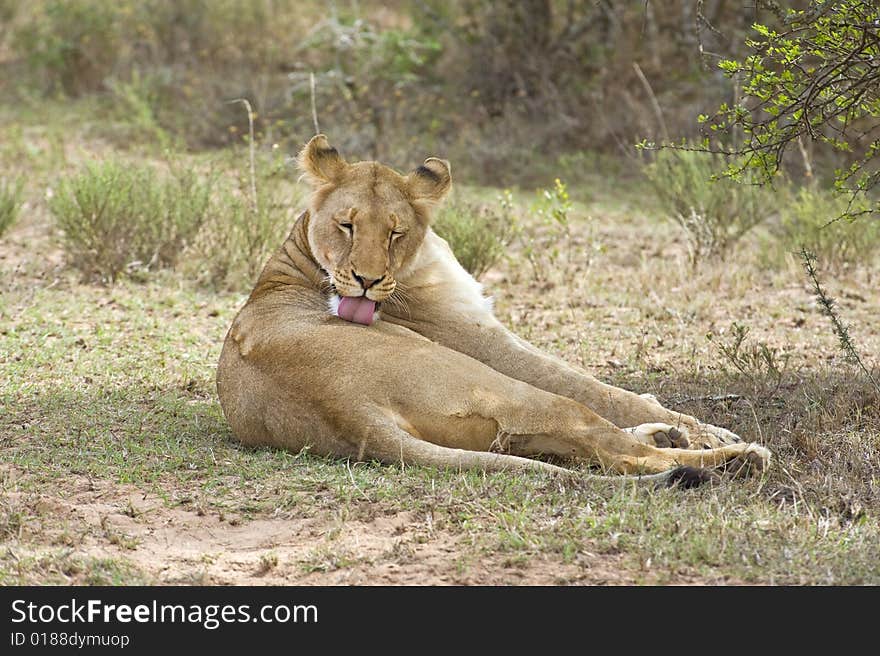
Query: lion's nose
(366, 283)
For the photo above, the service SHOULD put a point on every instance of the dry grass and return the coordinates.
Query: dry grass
(10, 203)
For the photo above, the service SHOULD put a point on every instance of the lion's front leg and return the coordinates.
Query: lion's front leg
(485, 339)
(548, 424)
(695, 434)
(660, 435)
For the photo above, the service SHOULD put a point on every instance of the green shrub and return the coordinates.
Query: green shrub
(562, 243)
(713, 213)
(477, 234)
(811, 220)
(233, 245)
(119, 216)
(71, 45)
(765, 366)
(10, 203)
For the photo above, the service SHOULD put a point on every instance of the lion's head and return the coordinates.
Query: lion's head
(367, 221)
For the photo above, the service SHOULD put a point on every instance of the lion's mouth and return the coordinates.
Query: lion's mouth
(357, 309)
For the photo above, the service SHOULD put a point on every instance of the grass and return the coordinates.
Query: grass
(107, 399)
(10, 203)
(61, 567)
(811, 220)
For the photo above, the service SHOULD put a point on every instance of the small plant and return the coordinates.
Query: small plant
(477, 234)
(249, 220)
(553, 207)
(327, 559)
(10, 203)
(12, 520)
(714, 213)
(811, 221)
(763, 365)
(236, 242)
(549, 244)
(119, 217)
(267, 562)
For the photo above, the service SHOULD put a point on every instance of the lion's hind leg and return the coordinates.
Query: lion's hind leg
(389, 443)
(395, 445)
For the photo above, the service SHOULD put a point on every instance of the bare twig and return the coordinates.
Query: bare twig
(654, 104)
(250, 113)
(314, 107)
(757, 422)
(808, 167)
(353, 482)
(714, 398)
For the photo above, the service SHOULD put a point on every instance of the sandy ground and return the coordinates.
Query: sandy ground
(180, 545)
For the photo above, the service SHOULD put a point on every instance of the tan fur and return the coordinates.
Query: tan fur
(437, 380)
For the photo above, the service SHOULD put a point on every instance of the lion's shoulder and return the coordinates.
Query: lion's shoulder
(438, 270)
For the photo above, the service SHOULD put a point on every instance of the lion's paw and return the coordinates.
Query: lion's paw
(707, 436)
(752, 459)
(663, 436)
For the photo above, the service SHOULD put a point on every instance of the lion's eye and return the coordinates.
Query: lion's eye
(346, 227)
(395, 234)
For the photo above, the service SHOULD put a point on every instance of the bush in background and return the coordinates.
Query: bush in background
(714, 214)
(478, 234)
(10, 203)
(811, 219)
(119, 216)
(176, 62)
(242, 231)
(371, 78)
(452, 76)
(71, 46)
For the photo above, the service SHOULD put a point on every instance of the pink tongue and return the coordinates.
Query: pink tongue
(358, 309)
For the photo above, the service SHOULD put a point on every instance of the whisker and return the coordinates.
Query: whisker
(327, 285)
(403, 294)
(393, 303)
(398, 301)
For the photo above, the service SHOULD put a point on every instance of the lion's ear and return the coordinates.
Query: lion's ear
(320, 162)
(431, 181)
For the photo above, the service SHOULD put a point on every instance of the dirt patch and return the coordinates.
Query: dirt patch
(178, 545)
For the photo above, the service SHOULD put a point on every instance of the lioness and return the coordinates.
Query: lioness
(365, 338)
